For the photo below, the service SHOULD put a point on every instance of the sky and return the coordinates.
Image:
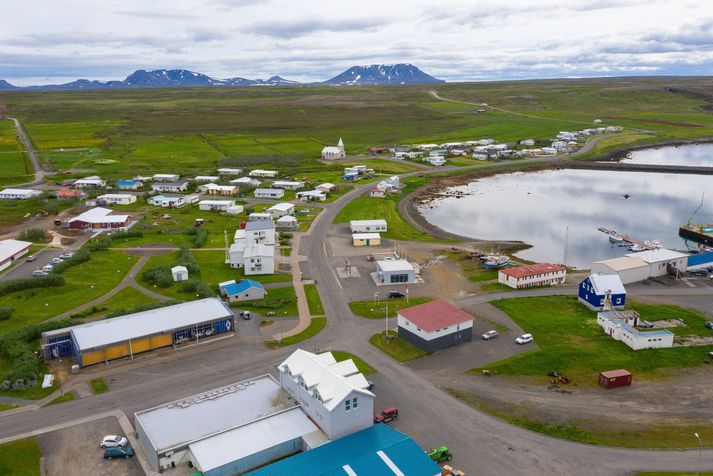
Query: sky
(49, 41)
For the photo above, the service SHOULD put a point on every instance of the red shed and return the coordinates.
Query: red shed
(615, 378)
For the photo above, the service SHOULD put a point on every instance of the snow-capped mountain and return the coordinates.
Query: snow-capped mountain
(383, 74)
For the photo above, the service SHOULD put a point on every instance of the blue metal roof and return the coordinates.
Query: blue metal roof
(126, 182)
(237, 288)
(360, 452)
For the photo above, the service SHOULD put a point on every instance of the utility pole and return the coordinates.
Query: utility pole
(386, 334)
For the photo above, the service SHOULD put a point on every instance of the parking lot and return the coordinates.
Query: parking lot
(24, 268)
(76, 451)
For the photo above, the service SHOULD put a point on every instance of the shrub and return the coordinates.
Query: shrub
(32, 234)
(200, 238)
(6, 313)
(159, 276)
(201, 289)
(100, 244)
(186, 258)
(81, 256)
(126, 234)
(141, 308)
(20, 284)
(88, 312)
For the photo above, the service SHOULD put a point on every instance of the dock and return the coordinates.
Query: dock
(628, 240)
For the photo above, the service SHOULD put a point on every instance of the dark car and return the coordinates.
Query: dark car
(118, 452)
(246, 315)
(396, 295)
(386, 415)
(700, 272)
(709, 325)
(370, 385)
(645, 325)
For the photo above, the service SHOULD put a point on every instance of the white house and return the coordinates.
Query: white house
(540, 274)
(365, 226)
(245, 290)
(117, 198)
(436, 160)
(528, 142)
(246, 181)
(281, 209)
(325, 187)
(435, 325)
(254, 248)
(269, 193)
(263, 173)
(621, 326)
(661, 260)
(214, 189)
(287, 184)
(259, 259)
(166, 177)
(334, 153)
(90, 182)
(172, 201)
(334, 394)
(179, 273)
(427, 146)
(206, 178)
(171, 187)
(217, 205)
(548, 151)
(287, 223)
(260, 216)
(311, 196)
(229, 171)
(11, 251)
(260, 232)
(19, 194)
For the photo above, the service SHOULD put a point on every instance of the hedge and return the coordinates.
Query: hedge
(18, 347)
(159, 276)
(197, 286)
(141, 308)
(81, 256)
(186, 258)
(20, 284)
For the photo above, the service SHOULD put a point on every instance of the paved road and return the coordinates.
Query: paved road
(39, 173)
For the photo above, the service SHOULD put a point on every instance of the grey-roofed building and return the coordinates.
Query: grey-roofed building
(228, 430)
(131, 334)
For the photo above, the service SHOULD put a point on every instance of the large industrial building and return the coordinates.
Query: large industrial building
(643, 265)
(11, 251)
(126, 336)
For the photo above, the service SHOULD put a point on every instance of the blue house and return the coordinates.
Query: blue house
(594, 290)
(350, 177)
(245, 290)
(377, 451)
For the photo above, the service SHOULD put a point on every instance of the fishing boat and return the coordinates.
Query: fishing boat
(636, 247)
(496, 262)
(616, 239)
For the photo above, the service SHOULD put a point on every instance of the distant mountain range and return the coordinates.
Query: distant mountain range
(181, 78)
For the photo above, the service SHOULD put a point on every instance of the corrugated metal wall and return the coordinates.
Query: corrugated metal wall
(700, 259)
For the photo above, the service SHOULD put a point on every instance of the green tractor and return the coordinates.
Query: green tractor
(440, 454)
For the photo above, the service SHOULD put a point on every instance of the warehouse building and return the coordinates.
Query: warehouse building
(228, 430)
(368, 226)
(366, 239)
(643, 265)
(128, 335)
(376, 451)
(435, 325)
(98, 218)
(11, 251)
(19, 193)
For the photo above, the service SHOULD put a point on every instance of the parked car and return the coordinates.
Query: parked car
(396, 295)
(66, 255)
(524, 339)
(370, 385)
(246, 315)
(39, 272)
(47, 268)
(440, 454)
(112, 441)
(492, 334)
(55, 261)
(386, 415)
(118, 452)
(709, 325)
(645, 325)
(699, 272)
(31, 258)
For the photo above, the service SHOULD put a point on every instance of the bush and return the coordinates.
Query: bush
(126, 234)
(88, 312)
(100, 244)
(32, 234)
(141, 308)
(159, 276)
(81, 256)
(6, 313)
(200, 238)
(198, 287)
(20, 284)
(272, 303)
(186, 258)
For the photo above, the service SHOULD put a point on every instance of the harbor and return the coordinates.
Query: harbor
(699, 233)
(632, 244)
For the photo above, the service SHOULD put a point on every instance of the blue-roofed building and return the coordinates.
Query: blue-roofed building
(375, 451)
(129, 184)
(622, 325)
(597, 288)
(245, 290)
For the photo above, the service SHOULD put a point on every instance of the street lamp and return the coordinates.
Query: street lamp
(700, 449)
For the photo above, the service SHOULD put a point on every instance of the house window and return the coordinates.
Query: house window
(355, 403)
(348, 405)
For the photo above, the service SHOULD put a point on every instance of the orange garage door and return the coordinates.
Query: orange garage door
(93, 357)
(162, 340)
(140, 345)
(117, 351)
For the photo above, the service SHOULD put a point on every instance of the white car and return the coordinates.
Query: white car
(47, 268)
(66, 255)
(524, 339)
(55, 261)
(490, 335)
(112, 441)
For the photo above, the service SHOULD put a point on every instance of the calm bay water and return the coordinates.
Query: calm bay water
(538, 207)
(692, 155)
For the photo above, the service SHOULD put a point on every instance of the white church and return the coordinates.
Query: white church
(334, 153)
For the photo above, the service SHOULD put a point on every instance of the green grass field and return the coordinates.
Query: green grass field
(315, 326)
(99, 385)
(396, 347)
(20, 458)
(372, 310)
(571, 342)
(125, 299)
(16, 167)
(363, 367)
(313, 300)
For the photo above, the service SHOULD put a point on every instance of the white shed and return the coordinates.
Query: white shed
(179, 273)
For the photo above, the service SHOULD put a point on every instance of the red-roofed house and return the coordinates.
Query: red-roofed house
(540, 274)
(435, 325)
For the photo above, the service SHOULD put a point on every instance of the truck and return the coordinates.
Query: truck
(440, 454)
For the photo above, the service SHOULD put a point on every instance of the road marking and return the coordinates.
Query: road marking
(688, 283)
(336, 278)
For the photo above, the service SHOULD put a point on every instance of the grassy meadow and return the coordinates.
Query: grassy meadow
(15, 166)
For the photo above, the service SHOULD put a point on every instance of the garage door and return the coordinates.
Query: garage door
(140, 345)
(92, 357)
(161, 341)
(117, 351)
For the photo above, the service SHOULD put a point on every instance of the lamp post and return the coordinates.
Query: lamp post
(700, 450)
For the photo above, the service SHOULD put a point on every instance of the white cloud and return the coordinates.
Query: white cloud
(314, 40)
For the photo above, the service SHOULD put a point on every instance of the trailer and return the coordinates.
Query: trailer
(615, 378)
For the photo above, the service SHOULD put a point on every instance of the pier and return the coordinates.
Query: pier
(627, 239)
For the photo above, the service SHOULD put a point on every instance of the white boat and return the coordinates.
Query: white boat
(616, 240)
(636, 247)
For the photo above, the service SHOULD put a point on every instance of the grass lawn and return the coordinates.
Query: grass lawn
(372, 310)
(694, 320)
(99, 385)
(84, 282)
(313, 300)
(16, 167)
(315, 326)
(125, 299)
(397, 348)
(67, 397)
(285, 251)
(363, 367)
(571, 342)
(32, 393)
(20, 458)
(6, 406)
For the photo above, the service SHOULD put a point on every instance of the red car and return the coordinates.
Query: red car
(386, 415)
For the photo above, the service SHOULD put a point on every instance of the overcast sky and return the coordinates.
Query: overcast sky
(45, 41)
